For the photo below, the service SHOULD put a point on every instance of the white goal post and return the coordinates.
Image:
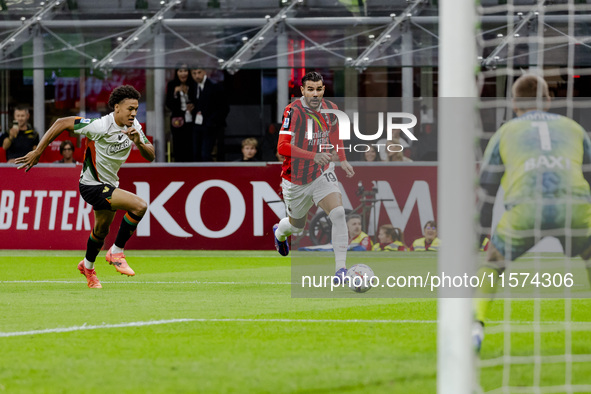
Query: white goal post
(456, 204)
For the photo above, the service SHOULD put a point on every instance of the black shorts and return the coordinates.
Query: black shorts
(99, 196)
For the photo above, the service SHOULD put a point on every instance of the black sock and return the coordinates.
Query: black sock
(93, 246)
(128, 226)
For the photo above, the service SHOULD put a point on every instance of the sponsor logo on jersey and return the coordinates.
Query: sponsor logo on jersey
(286, 122)
(84, 120)
(112, 149)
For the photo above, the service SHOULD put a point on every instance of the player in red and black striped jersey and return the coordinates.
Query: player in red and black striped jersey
(299, 166)
(308, 173)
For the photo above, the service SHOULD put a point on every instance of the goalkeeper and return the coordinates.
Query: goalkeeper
(543, 162)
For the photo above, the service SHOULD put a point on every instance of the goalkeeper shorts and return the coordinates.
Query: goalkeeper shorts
(524, 225)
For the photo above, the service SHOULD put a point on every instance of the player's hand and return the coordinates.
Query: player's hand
(28, 161)
(348, 168)
(322, 158)
(133, 135)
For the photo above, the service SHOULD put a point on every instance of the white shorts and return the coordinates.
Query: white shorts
(300, 198)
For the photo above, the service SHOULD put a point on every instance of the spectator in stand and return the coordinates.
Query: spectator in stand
(358, 240)
(21, 138)
(395, 151)
(181, 118)
(249, 149)
(67, 152)
(371, 154)
(391, 239)
(209, 112)
(429, 242)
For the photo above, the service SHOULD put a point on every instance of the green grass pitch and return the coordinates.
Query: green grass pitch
(197, 321)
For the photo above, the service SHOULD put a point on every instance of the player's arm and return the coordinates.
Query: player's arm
(586, 157)
(491, 173)
(32, 158)
(143, 144)
(338, 144)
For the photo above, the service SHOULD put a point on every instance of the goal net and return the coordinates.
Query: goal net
(538, 328)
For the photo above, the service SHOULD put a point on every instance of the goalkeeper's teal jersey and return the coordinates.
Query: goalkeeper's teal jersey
(537, 155)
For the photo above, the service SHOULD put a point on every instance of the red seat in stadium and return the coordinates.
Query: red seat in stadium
(52, 152)
(2, 155)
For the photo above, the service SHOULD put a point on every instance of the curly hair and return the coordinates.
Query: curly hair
(121, 93)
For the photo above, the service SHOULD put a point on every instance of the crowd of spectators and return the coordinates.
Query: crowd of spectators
(390, 238)
(198, 109)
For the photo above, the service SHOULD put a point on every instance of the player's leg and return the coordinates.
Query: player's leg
(99, 196)
(494, 266)
(135, 208)
(332, 204)
(286, 227)
(102, 221)
(586, 256)
(581, 220)
(298, 201)
(507, 244)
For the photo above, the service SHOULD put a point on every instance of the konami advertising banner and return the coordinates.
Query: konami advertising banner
(210, 207)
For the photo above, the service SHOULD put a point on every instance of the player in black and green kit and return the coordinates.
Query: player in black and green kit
(543, 162)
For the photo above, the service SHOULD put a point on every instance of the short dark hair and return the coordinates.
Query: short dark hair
(312, 76)
(121, 93)
(66, 143)
(353, 216)
(22, 107)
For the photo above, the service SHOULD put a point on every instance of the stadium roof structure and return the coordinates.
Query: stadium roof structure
(237, 34)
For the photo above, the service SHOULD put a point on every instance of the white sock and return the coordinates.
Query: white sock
(284, 229)
(88, 264)
(116, 249)
(340, 236)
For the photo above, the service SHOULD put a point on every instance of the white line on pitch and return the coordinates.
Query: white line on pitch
(150, 282)
(171, 321)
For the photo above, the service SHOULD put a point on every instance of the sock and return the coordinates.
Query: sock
(487, 291)
(127, 228)
(116, 249)
(93, 247)
(88, 264)
(340, 236)
(284, 230)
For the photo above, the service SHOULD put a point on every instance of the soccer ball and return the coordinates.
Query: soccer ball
(359, 277)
